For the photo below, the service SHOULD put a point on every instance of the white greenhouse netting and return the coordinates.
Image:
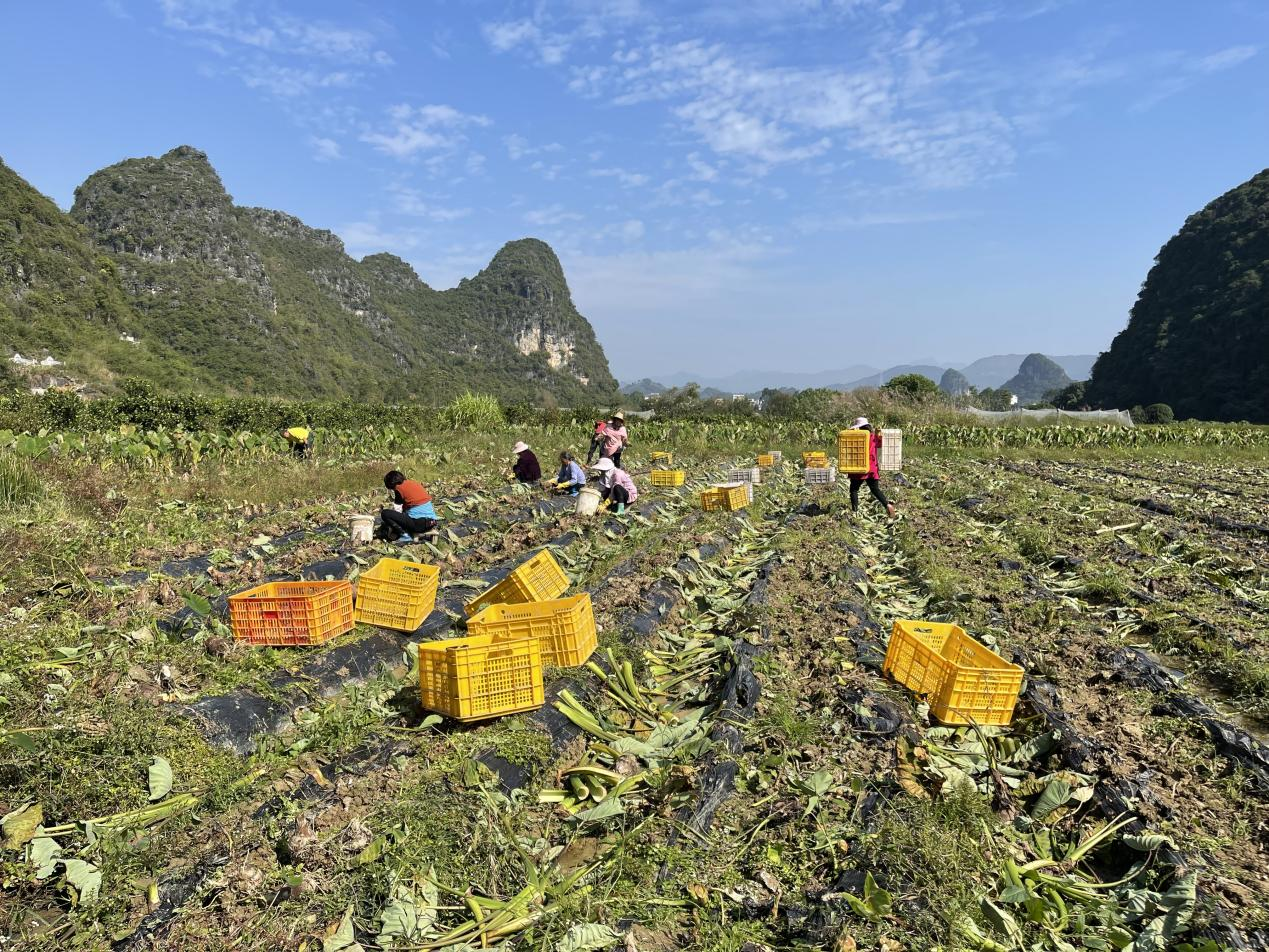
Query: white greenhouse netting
(1122, 417)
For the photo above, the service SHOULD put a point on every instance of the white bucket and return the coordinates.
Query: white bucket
(362, 529)
(588, 500)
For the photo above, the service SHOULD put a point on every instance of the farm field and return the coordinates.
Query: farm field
(733, 772)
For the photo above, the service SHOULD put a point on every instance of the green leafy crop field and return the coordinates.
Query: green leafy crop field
(731, 771)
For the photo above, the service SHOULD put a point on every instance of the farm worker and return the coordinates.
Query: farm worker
(873, 476)
(596, 440)
(571, 478)
(615, 485)
(416, 515)
(526, 468)
(615, 439)
(301, 440)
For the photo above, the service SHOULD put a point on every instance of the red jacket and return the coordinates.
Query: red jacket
(875, 456)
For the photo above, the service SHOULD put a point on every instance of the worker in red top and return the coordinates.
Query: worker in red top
(416, 516)
(596, 440)
(873, 476)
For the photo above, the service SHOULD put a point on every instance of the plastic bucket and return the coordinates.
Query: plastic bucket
(361, 529)
(588, 499)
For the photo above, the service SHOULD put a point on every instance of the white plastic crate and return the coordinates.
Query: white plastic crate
(751, 474)
(777, 456)
(820, 476)
(891, 451)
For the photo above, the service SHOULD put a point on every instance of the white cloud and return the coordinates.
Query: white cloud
(410, 201)
(369, 237)
(418, 129)
(324, 150)
(550, 215)
(621, 176)
(287, 81)
(1225, 59)
(518, 147)
(504, 36)
(1182, 72)
(239, 23)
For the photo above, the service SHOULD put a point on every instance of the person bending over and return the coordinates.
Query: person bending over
(417, 515)
(527, 469)
(570, 478)
(615, 485)
(873, 476)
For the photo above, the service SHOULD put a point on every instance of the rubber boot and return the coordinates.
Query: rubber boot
(621, 508)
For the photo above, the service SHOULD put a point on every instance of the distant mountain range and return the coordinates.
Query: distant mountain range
(982, 373)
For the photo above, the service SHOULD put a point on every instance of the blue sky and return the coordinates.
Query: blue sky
(776, 184)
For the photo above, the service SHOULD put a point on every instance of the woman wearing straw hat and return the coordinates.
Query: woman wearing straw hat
(873, 476)
(526, 468)
(615, 438)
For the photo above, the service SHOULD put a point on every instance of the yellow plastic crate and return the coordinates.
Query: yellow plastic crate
(668, 477)
(662, 456)
(729, 498)
(565, 627)
(854, 451)
(291, 613)
(766, 459)
(534, 580)
(396, 594)
(471, 679)
(964, 681)
(815, 460)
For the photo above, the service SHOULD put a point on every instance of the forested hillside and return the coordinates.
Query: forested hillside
(1198, 336)
(155, 272)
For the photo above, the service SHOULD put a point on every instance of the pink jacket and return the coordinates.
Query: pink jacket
(619, 477)
(614, 439)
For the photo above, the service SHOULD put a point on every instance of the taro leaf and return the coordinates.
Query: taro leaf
(431, 720)
(609, 808)
(1146, 842)
(586, 936)
(956, 780)
(160, 778)
(198, 604)
(19, 826)
(373, 851)
(1000, 920)
(24, 740)
(1055, 795)
(820, 782)
(42, 854)
(409, 916)
(85, 877)
(1015, 895)
(1034, 748)
(342, 939)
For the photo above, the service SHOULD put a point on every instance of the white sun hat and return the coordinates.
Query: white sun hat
(859, 421)
(603, 465)
(520, 447)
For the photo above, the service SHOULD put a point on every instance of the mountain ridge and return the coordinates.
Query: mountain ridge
(206, 295)
(992, 371)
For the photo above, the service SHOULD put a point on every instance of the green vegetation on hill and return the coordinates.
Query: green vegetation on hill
(1198, 336)
(1037, 377)
(222, 299)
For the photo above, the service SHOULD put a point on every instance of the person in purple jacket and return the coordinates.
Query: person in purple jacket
(615, 485)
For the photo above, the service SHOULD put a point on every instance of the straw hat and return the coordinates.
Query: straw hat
(618, 416)
(519, 447)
